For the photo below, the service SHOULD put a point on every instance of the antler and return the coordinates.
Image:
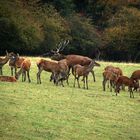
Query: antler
(60, 46)
(65, 43)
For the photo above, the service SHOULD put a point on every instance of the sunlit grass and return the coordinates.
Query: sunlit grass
(41, 112)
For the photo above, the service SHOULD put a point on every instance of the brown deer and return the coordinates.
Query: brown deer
(15, 63)
(124, 80)
(3, 61)
(111, 77)
(8, 79)
(84, 71)
(55, 67)
(25, 67)
(136, 76)
(108, 74)
(71, 59)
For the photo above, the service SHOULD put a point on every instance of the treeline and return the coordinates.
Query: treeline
(101, 29)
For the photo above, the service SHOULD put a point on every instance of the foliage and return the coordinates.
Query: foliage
(84, 35)
(123, 34)
(106, 27)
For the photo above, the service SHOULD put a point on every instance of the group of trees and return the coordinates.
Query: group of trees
(103, 29)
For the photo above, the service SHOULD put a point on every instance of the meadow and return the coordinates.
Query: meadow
(29, 111)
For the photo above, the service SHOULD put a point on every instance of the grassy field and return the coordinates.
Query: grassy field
(46, 112)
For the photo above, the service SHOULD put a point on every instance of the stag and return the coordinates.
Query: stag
(4, 60)
(71, 59)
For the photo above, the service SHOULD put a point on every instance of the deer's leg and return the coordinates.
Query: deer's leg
(104, 83)
(0, 71)
(87, 81)
(38, 76)
(11, 71)
(93, 74)
(78, 81)
(24, 76)
(74, 81)
(117, 89)
(111, 85)
(62, 83)
(28, 74)
(131, 92)
(68, 75)
(83, 82)
(15, 70)
(51, 77)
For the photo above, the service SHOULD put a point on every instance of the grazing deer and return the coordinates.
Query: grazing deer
(71, 59)
(84, 71)
(8, 79)
(25, 67)
(109, 76)
(124, 80)
(136, 76)
(15, 62)
(3, 61)
(55, 67)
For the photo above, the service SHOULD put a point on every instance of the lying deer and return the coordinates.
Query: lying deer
(84, 71)
(25, 67)
(8, 79)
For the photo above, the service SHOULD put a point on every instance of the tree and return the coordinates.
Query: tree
(123, 34)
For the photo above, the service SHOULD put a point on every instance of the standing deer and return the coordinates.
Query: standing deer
(25, 67)
(55, 67)
(3, 61)
(79, 70)
(71, 59)
(15, 62)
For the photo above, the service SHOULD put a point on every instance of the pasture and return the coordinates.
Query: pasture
(48, 112)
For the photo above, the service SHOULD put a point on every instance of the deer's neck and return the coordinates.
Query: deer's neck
(4, 60)
(90, 67)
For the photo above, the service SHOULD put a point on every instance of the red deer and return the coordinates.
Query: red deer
(116, 71)
(15, 62)
(25, 67)
(124, 80)
(3, 61)
(55, 67)
(79, 70)
(109, 76)
(71, 59)
(8, 79)
(136, 76)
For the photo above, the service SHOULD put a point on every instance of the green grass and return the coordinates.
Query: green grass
(48, 112)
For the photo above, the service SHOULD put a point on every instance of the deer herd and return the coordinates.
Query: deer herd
(60, 66)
